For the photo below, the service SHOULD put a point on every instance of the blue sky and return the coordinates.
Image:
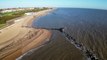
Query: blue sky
(99, 4)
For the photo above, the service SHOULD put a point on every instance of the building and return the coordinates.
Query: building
(4, 11)
(29, 13)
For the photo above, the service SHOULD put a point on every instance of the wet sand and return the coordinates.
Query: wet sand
(58, 48)
(20, 37)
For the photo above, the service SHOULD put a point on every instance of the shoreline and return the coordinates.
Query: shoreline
(58, 48)
(21, 41)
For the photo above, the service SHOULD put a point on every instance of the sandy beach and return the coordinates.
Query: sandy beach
(20, 37)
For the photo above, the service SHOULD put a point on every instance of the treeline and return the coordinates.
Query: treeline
(11, 15)
(5, 18)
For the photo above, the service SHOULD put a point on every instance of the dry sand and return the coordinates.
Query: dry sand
(18, 39)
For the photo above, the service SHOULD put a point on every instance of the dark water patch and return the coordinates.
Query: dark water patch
(87, 26)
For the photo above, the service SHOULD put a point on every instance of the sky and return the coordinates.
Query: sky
(98, 4)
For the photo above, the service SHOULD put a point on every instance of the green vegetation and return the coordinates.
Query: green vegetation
(2, 26)
(11, 15)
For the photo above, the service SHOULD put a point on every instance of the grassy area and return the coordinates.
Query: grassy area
(2, 26)
(11, 15)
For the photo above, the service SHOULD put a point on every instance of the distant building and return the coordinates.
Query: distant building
(11, 10)
(7, 11)
(19, 9)
(15, 9)
(31, 8)
(29, 13)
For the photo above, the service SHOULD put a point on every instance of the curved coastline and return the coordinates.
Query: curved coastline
(22, 36)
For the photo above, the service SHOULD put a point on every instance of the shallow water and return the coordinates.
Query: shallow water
(58, 48)
(87, 26)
